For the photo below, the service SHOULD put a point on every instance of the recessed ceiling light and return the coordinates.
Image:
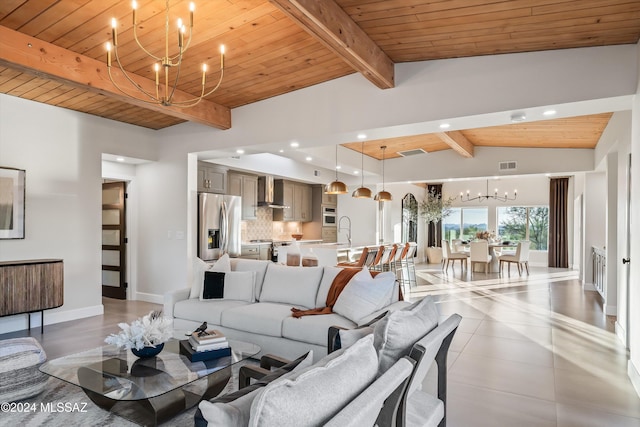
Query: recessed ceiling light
(309, 159)
(240, 151)
(338, 167)
(120, 159)
(549, 113)
(445, 126)
(518, 117)
(409, 182)
(281, 150)
(362, 136)
(356, 172)
(294, 144)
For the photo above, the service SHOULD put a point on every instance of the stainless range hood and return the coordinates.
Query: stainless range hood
(265, 193)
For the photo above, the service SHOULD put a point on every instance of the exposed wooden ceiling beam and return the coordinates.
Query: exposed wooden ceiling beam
(456, 140)
(325, 20)
(34, 56)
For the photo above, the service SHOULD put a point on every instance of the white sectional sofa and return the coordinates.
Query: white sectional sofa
(265, 318)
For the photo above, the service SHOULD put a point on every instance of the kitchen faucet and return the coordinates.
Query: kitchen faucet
(348, 228)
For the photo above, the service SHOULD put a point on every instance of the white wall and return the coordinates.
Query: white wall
(595, 196)
(363, 214)
(61, 153)
(634, 293)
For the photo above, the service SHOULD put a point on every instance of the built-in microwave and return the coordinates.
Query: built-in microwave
(329, 216)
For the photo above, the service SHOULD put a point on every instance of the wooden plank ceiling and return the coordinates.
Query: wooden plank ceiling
(277, 46)
(572, 132)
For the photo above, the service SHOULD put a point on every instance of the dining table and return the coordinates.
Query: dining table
(494, 265)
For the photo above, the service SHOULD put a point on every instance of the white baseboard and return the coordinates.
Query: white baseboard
(588, 286)
(154, 298)
(20, 321)
(634, 376)
(621, 333)
(610, 310)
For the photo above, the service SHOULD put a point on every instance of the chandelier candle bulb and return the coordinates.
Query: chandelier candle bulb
(204, 73)
(114, 34)
(169, 63)
(108, 46)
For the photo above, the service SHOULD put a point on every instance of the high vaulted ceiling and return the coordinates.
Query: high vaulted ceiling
(52, 51)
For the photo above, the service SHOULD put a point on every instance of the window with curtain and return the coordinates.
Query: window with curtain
(525, 223)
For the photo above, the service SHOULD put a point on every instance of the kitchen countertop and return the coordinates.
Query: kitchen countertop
(305, 242)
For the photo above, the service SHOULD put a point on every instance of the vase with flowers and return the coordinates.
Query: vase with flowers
(145, 337)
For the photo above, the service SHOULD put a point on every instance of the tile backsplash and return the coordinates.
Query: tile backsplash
(265, 228)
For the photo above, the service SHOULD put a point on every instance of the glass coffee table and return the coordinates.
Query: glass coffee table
(147, 391)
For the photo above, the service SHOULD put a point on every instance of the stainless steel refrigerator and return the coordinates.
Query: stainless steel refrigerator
(219, 219)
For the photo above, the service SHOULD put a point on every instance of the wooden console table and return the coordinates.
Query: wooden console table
(30, 286)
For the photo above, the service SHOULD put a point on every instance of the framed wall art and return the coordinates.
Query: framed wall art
(12, 195)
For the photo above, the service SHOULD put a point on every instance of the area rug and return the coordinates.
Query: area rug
(63, 404)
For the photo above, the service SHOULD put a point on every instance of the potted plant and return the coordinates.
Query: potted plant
(432, 209)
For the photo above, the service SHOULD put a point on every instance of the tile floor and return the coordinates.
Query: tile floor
(530, 351)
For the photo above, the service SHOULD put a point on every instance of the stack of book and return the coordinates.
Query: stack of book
(210, 345)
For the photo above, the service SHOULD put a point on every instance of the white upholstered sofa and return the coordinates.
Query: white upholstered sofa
(264, 317)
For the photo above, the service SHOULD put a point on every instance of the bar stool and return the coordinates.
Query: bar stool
(374, 256)
(359, 263)
(384, 263)
(408, 266)
(396, 263)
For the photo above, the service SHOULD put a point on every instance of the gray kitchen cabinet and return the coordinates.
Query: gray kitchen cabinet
(260, 251)
(212, 178)
(245, 186)
(297, 197)
(250, 252)
(329, 199)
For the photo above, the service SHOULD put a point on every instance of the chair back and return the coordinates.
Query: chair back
(456, 245)
(363, 257)
(385, 393)
(401, 252)
(479, 251)
(374, 256)
(446, 249)
(522, 251)
(411, 252)
(387, 253)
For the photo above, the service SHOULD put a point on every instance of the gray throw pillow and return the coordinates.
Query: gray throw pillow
(395, 334)
(233, 409)
(318, 392)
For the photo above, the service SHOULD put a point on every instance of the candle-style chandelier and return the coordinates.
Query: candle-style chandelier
(166, 62)
(480, 197)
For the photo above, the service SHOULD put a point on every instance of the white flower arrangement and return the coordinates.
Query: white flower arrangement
(148, 331)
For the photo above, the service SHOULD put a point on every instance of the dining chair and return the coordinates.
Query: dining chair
(521, 258)
(450, 257)
(479, 254)
(396, 263)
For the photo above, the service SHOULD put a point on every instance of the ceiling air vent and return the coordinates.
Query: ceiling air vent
(507, 166)
(412, 152)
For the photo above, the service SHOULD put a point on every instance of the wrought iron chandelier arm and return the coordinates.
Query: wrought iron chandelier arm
(175, 82)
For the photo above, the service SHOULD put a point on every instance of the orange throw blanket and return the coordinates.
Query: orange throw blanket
(338, 284)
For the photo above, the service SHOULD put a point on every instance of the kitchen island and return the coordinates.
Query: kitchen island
(327, 254)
